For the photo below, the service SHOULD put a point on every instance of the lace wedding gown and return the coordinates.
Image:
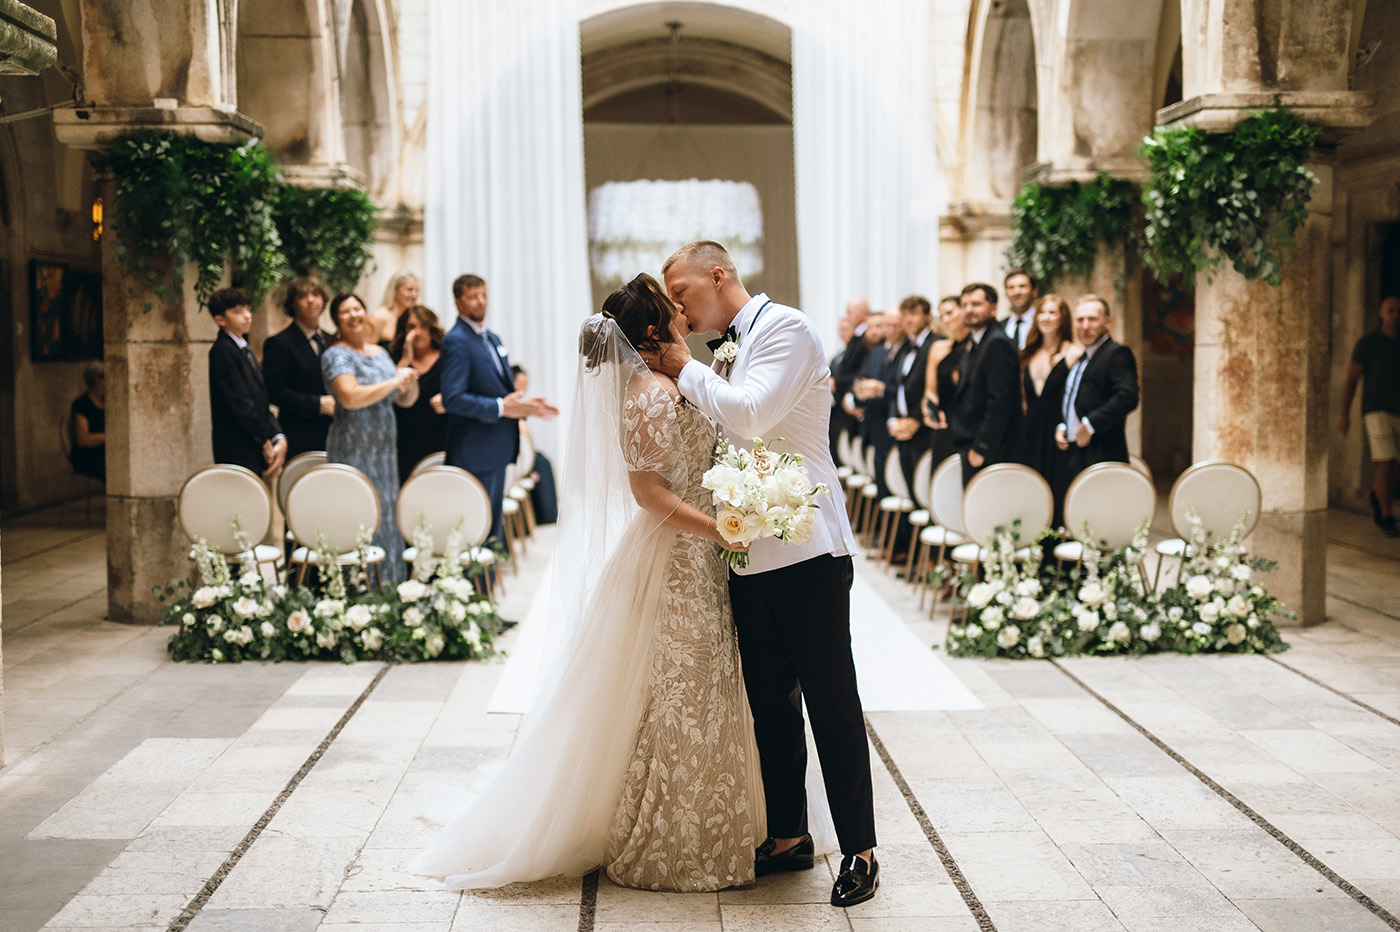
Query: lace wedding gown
(640, 757)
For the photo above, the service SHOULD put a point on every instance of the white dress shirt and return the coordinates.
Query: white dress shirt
(776, 388)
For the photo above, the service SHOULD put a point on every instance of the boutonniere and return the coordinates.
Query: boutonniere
(727, 352)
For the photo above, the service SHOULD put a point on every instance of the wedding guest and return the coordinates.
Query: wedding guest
(292, 369)
(399, 295)
(941, 375)
(846, 366)
(1100, 392)
(544, 497)
(905, 422)
(422, 426)
(363, 433)
(244, 431)
(871, 393)
(1375, 363)
(1021, 293)
(1049, 354)
(986, 405)
(484, 410)
(88, 418)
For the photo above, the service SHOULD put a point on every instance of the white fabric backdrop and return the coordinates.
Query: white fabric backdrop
(867, 185)
(505, 188)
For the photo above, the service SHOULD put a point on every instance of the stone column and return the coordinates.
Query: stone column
(1261, 400)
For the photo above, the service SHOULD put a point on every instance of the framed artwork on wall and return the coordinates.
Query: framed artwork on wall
(48, 310)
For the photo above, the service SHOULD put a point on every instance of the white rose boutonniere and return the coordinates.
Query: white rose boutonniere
(726, 353)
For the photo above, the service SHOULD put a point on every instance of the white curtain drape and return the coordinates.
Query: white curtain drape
(867, 186)
(505, 184)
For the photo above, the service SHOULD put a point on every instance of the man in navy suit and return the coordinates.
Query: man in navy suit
(478, 391)
(1102, 390)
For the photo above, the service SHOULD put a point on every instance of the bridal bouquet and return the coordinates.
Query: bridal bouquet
(758, 494)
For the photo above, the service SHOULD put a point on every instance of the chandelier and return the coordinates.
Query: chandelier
(634, 226)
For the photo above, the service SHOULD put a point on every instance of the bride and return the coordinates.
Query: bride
(638, 757)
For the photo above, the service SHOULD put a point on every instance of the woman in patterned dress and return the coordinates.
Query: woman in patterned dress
(639, 757)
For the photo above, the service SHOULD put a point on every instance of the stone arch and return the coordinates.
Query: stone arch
(285, 65)
(368, 103)
(1001, 103)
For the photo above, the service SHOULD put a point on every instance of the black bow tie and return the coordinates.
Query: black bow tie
(731, 336)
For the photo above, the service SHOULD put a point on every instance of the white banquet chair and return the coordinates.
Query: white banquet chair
(1105, 506)
(921, 517)
(445, 498)
(428, 462)
(999, 497)
(946, 530)
(338, 503)
(228, 506)
(1221, 495)
(893, 507)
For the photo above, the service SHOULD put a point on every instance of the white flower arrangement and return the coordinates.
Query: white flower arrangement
(760, 494)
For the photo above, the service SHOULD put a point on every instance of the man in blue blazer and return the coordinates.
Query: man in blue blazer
(478, 391)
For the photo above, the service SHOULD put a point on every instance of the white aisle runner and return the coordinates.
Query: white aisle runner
(897, 672)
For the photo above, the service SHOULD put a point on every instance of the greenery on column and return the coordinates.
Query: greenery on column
(1059, 229)
(1239, 196)
(326, 232)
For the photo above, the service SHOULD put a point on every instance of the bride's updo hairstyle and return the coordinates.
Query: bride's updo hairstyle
(641, 311)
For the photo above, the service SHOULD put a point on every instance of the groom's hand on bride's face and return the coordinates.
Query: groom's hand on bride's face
(676, 354)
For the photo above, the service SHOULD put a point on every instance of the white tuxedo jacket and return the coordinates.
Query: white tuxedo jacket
(778, 388)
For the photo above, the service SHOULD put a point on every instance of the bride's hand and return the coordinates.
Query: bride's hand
(733, 548)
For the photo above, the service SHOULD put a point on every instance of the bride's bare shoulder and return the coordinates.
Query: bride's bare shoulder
(648, 382)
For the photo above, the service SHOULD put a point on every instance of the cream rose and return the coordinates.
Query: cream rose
(298, 621)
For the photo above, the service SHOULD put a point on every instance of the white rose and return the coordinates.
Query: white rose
(776, 520)
(419, 633)
(372, 639)
(1252, 621)
(298, 621)
(1110, 610)
(804, 525)
(457, 612)
(245, 635)
(1005, 598)
(1223, 562)
(974, 631)
(992, 616)
(792, 485)
(1235, 633)
(412, 616)
(1201, 628)
(216, 655)
(1008, 637)
(434, 645)
(1028, 588)
(1088, 621)
(478, 608)
(249, 580)
(268, 629)
(412, 590)
(246, 607)
(204, 597)
(1150, 632)
(215, 623)
(1199, 588)
(1240, 571)
(188, 620)
(1026, 608)
(359, 616)
(1036, 646)
(231, 635)
(1209, 612)
(1120, 632)
(979, 595)
(328, 607)
(726, 353)
(474, 635)
(1238, 606)
(1091, 594)
(1174, 613)
(325, 639)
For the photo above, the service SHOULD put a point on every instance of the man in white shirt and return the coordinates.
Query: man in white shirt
(792, 603)
(1021, 291)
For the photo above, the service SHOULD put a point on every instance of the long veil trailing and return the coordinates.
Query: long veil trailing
(549, 809)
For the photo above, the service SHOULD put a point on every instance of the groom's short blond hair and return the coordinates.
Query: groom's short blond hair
(704, 254)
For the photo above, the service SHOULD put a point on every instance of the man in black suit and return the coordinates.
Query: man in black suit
(846, 366)
(1102, 390)
(905, 420)
(987, 405)
(870, 393)
(1021, 291)
(244, 431)
(292, 369)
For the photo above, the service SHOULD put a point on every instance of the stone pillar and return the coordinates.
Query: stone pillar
(1261, 400)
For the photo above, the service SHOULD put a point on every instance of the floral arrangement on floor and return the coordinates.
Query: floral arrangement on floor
(760, 493)
(1019, 610)
(437, 614)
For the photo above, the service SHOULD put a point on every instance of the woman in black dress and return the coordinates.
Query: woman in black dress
(422, 425)
(88, 415)
(1045, 363)
(941, 377)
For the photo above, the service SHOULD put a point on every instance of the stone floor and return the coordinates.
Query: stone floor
(1168, 794)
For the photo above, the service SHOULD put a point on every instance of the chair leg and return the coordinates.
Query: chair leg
(915, 545)
(938, 589)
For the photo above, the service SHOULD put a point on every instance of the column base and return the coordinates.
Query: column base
(1298, 541)
(145, 549)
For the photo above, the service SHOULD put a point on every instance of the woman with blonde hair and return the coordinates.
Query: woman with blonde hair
(399, 295)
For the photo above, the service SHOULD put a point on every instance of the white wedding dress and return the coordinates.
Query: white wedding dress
(638, 757)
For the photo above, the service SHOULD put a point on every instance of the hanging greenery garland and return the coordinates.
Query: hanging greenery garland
(1239, 196)
(185, 201)
(327, 232)
(1059, 229)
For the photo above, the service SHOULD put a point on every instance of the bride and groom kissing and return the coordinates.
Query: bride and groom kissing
(644, 753)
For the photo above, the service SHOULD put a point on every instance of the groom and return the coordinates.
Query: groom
(792, 604)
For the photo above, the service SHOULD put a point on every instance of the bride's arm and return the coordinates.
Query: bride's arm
(651, 493)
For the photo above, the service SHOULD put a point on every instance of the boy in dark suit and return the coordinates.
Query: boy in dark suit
(244, 431)
(1102, 390)
(292, 369)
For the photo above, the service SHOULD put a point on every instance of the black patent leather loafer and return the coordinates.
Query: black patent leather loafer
(856, 883)
(797, 858)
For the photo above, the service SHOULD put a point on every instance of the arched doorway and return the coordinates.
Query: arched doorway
(681, 91)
